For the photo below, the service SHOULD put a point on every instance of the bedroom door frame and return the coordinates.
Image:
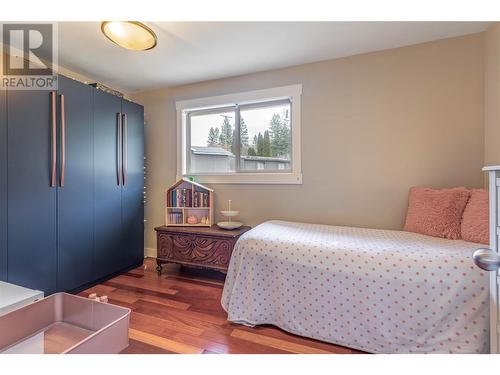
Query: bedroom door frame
(488, 258)
(494, 190)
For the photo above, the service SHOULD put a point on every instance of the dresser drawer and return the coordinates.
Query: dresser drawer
(196, 250)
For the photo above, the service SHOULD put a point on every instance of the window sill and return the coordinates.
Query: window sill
(248, 178)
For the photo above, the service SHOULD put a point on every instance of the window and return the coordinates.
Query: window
(251, 137)
(212, 141)
(265, 136)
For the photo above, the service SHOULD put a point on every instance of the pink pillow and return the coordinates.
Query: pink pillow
(475, 220)
(436, 213)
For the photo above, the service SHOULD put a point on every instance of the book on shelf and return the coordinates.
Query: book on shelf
(186, 198)
(201, 199)
(175, 218)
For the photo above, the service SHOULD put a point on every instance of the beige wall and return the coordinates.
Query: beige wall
(492, 96)
(372, 126)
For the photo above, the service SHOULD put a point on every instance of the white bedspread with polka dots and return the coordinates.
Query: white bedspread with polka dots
(380, 291)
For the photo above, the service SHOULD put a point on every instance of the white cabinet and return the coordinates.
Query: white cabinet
(13, 297)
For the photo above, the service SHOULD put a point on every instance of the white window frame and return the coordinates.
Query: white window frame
(293, 176)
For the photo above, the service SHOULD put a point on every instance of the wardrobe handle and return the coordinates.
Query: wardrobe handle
(124, 147)
(119, 148)
(53, 140)
(63, 141)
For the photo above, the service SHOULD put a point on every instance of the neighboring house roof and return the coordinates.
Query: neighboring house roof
(201, 150)
(265, 158)
(219, 151)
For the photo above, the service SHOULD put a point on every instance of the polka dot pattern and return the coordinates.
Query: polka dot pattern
(380, 291)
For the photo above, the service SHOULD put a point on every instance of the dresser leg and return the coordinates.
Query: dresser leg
(158, 266)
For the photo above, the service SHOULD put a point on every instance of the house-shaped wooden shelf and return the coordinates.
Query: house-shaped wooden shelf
(189, 204)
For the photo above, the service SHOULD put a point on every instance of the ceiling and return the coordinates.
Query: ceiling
(190, 52)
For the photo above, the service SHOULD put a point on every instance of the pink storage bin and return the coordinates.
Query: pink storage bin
(64, 323)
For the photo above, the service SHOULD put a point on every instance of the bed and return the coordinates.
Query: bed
(380, 291)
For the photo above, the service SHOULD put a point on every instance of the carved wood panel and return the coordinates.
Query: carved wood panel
(210, 252)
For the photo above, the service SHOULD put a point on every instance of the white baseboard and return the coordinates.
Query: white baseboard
(149, 252)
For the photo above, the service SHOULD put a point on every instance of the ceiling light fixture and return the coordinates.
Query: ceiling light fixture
(131, 35)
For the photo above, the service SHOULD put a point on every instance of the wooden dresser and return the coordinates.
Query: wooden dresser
(196, 246)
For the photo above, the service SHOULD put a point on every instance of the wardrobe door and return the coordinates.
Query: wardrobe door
(31, 198)
(3, 187)
(75, 195)
(108, 239)
(133, 181)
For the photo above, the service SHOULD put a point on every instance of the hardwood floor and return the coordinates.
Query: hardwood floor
(180, 312)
